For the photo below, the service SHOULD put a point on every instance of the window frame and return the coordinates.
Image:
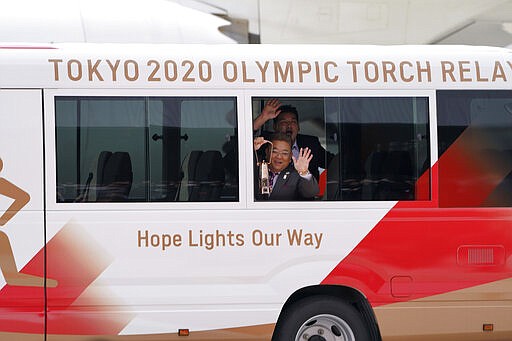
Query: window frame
(49, 147)
(245, 161)
(300, 205)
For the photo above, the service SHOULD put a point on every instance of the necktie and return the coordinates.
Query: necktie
(295, 151)
(271, 177)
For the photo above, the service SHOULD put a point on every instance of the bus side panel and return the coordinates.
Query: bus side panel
(21, 216)
(117, 279)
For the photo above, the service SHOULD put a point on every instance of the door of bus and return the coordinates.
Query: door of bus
(21, 215)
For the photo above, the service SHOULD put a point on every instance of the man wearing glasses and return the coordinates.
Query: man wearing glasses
(286, 180)
(286, 120)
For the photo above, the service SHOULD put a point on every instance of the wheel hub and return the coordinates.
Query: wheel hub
(325, 328)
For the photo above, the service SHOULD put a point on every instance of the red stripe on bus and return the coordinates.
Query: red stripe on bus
(75, 261)
(420, 241)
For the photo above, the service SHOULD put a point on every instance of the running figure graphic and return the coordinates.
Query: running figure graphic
(7, 261)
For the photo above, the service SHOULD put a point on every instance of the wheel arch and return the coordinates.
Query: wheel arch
(348, 294)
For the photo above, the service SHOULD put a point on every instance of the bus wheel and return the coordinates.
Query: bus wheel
(321, 319)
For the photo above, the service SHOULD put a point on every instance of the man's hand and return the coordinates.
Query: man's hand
(258, 142)
(301, 163)
(270, 111)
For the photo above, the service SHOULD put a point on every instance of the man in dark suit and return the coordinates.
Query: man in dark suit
(287, 180)
(286, 120)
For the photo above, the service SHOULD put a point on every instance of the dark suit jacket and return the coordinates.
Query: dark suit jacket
(321, 157)
(290, 186)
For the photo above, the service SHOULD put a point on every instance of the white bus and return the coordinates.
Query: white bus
(128, 208)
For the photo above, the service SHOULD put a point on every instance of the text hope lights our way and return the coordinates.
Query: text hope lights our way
(220, 239)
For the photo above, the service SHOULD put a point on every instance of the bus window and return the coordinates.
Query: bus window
(142, 149)
(475, 148)
(302, 119)
(381, 148)
(370, 148)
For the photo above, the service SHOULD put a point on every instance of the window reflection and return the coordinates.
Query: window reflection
(146, 149)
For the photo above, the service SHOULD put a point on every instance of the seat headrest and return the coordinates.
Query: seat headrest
(115, 176)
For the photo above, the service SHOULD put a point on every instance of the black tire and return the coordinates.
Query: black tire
(321, 318)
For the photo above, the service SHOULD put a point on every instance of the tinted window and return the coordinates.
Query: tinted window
(381, 148)
(146, 149)
(475, 148)
(372, 148)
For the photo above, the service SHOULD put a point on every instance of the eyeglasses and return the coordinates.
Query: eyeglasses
(283, 153)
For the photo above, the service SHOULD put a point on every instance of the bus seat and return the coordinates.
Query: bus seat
(374, 170)
(102, 160)
(343, 180)
(374, 164)
(333, 186)
(193, 160)
(398, 177)
(398, 164)
(209, 175)
(116, 176)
